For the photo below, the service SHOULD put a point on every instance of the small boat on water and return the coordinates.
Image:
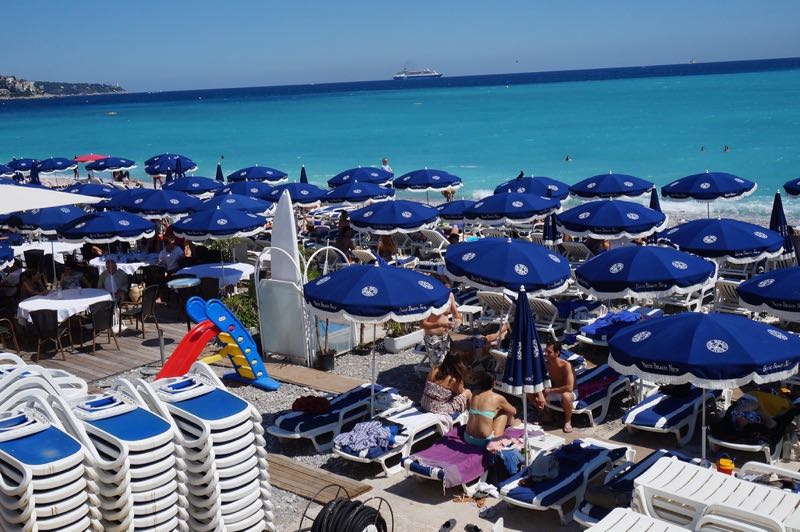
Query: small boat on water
(410, 74)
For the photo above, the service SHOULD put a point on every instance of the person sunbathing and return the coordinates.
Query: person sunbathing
(444, 390)
(489, 413)
(562, 381)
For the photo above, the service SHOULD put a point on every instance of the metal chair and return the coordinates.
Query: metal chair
(7, 330)
(145, 309)
(45, 327)
(101, 317)
(33, 257)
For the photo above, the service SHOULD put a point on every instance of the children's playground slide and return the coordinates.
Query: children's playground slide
(214, 319)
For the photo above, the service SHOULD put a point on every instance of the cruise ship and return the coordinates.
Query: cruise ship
(424, 73)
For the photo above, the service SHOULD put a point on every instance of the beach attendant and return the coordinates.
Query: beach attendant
(562, 380)
(489, 413)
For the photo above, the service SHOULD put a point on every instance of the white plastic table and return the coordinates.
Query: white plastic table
(229, 273)
(126, 262)
(58, 248)
(67, 303)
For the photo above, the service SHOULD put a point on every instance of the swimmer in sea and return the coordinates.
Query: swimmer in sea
(726, 149)
(568, 158)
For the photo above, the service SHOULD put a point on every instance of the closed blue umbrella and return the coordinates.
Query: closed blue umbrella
(388, 217)
(453, 211)
(55, 164)
(611, 219)
(776, 292)
(712, 351)
(168, 163)
(506, 264)
(219, 223)
(96, 190)
(777, 223)
(511, 208)
(193, 185)
(644, 272)
(258, 173)
(352, 193)
(44, 221)
(304, 194)
(179, 171)
(22, 166)
(6, 171)
(654, 204)
(111, 164)
(611, 185)
(254, 189)
(153, 204)
(106, 227)
(725, 240)
(362, 174)
(219, 176)
(303, 176)
(708, 187)
(34, 176)
(426, 180)
(550, 235)
(792, 187)
(238, 202)
(6, 257)
(538, 186)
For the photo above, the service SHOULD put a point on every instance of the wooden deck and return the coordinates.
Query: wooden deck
(134, 352)
(308, 481)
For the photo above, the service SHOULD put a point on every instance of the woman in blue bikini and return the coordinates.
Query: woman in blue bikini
(489, 413)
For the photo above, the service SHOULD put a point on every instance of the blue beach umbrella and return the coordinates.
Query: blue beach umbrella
(111, 164)
(611, 219)
(44, 221)
(426, 180)
(168, 163)
(254, 189)
(511, 208)
(453, 211)
(34, 176)
(153, 204)
(6, 257)
(708, 187)
(193, 185)
(23, 166)
(644, 272)
(506, 264)
(725, 240)
(611, 185)
(96, 190)
(388, 217)
(6, 171)
(712, 351)
(792, 187)
(352, 193)
(304, 194)
(235, 201)
(538, 186)
(777, 223)
(219, 176)
(258, 173)
(303, 176)
(179, 171)
(219, 223)
(655, 203)
(550, 235)
(776, 292)
(106, 227)
(362, 174)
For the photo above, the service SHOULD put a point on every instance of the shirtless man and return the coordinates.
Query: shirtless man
(562, 380)
(437, 332)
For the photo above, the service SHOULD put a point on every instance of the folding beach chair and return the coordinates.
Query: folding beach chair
(596, 388)
(495, 307)
(727, 300)
(576, 252)
(435, 245)
(321, 429)
(578, 463)
(547, 319)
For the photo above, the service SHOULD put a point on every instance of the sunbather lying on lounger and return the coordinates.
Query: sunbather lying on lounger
(562, 381)
(489, 413)
(444, 390)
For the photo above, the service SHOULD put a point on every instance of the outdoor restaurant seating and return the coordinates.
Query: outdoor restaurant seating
(142, 311)
(101, 317)
(46, 328)
(7, 331)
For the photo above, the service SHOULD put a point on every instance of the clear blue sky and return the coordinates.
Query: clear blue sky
(165, 44)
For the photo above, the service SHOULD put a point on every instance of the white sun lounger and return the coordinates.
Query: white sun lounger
(323, 428)
(626, 520)
(417, 424)
(683, 494)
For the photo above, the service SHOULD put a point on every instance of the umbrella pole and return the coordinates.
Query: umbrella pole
(325, 349)
(525, 427)
(53, 256)
(703, 431)
(708, 212)
(372, 387)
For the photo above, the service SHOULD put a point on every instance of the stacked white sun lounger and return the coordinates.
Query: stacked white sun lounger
(222, 451)
(43, 480)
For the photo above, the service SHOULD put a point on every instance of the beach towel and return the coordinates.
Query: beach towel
(365, 435)
(608, 324)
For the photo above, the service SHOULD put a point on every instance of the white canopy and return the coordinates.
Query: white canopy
(15, 198)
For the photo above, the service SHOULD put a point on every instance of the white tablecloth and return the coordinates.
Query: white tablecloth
(72, 301)
(234, 272)
(60, 249)
(126, 262)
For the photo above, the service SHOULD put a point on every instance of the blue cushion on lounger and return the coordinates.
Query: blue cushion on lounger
(426, 471)
(663, 411)
(299, 421)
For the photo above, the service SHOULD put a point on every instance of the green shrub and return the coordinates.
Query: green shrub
(244, 307)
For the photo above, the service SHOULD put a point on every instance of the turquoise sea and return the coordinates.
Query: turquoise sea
(651, 127)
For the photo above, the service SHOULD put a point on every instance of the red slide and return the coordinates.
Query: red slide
(189, 349)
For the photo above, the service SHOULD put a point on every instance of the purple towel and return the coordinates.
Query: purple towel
(461, 462)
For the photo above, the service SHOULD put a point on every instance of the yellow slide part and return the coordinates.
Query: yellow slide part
(232, 351)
